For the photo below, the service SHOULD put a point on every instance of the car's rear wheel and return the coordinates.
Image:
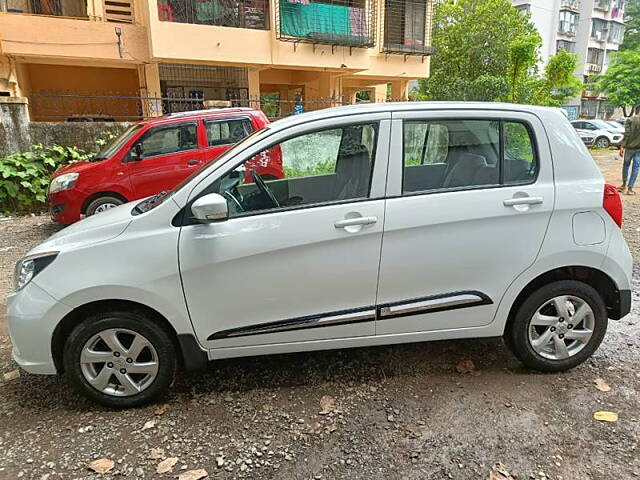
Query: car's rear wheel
(603, 142)
(120, 359)
(558, 327)
(102, 204)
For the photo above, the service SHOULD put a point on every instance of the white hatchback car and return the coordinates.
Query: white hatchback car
(395, 223)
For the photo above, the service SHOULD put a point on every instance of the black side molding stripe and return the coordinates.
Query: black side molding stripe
(342, 317)
(432, 304)
(414, 306)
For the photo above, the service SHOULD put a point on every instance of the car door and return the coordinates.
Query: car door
(460, 227)
(163, 157)
(223, 133)
(301, 262)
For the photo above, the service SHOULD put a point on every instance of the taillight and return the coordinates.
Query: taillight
(612, 203)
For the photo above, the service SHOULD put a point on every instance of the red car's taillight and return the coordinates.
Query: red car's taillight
(612, 203)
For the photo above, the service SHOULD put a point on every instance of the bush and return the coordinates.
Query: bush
(25, 177)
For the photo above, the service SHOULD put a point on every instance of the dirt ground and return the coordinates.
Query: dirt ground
(400, 412)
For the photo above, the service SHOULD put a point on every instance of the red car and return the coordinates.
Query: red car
(152, 156)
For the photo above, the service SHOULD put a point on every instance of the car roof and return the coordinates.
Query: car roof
(394, 107)
(196, 114)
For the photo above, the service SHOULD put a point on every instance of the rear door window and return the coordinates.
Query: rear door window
(227, 132)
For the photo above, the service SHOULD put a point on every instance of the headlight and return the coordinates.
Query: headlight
(63, 182)
(30, 266)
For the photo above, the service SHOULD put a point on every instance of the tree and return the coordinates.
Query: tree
(620, 84)
(632, 26)
(558, 84)
(485, 49)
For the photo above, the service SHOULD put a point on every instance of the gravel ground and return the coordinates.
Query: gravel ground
(377, 413)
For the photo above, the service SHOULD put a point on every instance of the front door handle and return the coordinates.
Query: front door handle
(193, 162)
(353, 222)
(510, 202)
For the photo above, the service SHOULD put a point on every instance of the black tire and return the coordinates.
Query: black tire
(517, 332)
(138, 323)
(602, 142)
(102, 201)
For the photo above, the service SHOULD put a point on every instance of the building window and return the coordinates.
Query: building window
(616, 32)
(252, 14)
(565, 45)
(406, 27)
(526, 8)
(332, 22)
(568, 23)
(599, 29)
(602, 5)
(595, 56)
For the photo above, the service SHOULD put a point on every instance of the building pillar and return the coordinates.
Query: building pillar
(400, 90)
(253, 77)
(150, 90)
(379, 93)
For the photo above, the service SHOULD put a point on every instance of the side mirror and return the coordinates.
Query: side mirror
(210, 208)
(136, 152)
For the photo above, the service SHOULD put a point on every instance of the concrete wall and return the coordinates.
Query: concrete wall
(17, 134)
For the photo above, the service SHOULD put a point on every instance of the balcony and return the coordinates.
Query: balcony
(604, 5)
(349, 23)
(592, 68)
(407, 27)
(573, 5)
(252, 14)
(57, 8)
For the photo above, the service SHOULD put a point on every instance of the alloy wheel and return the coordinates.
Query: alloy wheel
(119, 362)
(103, 207)
(561, 327)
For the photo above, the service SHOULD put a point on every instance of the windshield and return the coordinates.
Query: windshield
(601, 124)
(112, 148)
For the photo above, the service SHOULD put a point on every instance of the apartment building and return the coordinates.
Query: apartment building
(592, 29)
(126, 59)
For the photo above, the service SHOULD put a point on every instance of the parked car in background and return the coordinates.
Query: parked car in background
(618, 127)
(586, 136)
(153, 156)
(605, 134)
(394, 223)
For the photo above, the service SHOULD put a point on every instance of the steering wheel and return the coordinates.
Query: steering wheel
(264, 189)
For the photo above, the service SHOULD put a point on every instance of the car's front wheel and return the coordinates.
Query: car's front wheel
(120, 359)
(603, 142)
(558, 327)
(102, 204)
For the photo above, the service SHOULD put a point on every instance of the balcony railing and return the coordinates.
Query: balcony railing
(252, 14)
(331, 22)
(58, 8)
(591, 68)
(407, 27)
(573, 5)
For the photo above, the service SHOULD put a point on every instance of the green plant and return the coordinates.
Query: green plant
(25, 177)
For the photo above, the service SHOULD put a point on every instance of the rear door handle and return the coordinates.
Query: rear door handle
(192, 162)
(510, 202)
(352, 222)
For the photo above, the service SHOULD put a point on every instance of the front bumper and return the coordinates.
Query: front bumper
(33, 315)
(65, 206)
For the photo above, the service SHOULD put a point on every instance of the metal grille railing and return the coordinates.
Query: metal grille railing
(60, 8)
(112, 107)
(252, 14)
(349, 23)
(407, 27)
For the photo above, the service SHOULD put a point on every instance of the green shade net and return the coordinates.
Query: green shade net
(317, 20)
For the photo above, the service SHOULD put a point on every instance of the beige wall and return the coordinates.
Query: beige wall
(34, 36)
